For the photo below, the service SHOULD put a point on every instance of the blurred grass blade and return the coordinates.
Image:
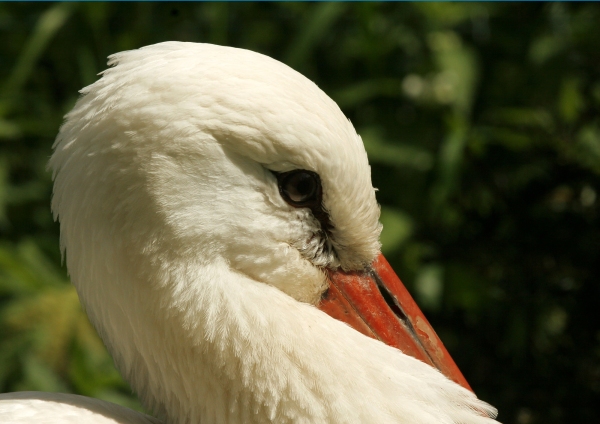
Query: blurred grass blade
(315, 27)
(364, 91)
(459, 70)
(219, 13)
(4, 189)
(396, 154)
(47, 25)
(450, 160)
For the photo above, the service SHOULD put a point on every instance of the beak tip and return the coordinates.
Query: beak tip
(377, 304)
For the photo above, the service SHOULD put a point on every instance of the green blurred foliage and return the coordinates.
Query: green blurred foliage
(482, 125)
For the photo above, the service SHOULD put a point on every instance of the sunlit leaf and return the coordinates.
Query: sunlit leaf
(571, 101)
(429, 286)
(397, 228)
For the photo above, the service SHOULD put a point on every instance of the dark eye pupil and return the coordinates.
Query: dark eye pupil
(299, 188)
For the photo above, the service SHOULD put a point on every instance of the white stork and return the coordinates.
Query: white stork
(217, 214)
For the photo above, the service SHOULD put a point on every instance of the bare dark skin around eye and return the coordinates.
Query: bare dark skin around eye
(302, 189)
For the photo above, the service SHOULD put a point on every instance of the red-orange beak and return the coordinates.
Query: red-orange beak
(377, 304)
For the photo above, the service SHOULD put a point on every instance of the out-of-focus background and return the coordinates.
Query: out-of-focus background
(482, 126)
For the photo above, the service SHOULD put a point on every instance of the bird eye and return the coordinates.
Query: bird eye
(300, 188)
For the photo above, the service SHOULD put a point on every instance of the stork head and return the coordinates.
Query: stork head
(185, 155)
(209, 151)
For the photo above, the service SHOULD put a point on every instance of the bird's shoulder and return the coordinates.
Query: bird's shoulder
(61, 408)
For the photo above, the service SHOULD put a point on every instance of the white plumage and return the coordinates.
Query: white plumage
(199, 277)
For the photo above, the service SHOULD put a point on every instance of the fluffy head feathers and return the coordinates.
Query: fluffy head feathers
(183, 251)
(183, 135)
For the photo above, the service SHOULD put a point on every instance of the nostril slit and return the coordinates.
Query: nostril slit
(391, 302)
(398, 311)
